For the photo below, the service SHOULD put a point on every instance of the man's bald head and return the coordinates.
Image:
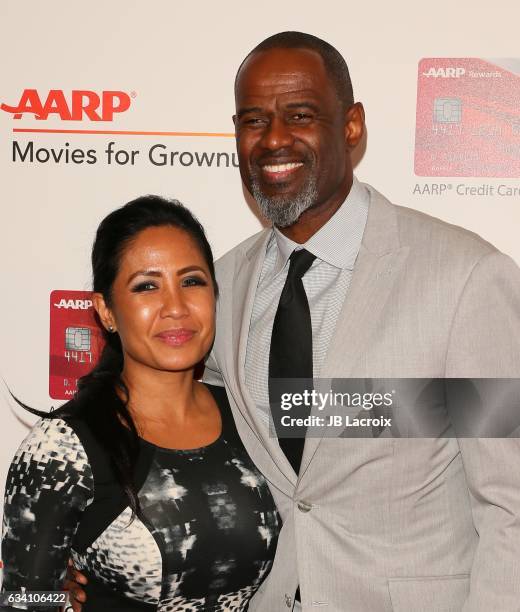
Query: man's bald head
(335, 65)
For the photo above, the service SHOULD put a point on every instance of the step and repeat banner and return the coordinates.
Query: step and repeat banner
(104, 102)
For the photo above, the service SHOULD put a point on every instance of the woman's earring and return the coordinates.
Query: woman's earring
(111, 329)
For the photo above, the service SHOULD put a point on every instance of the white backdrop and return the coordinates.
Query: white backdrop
(177, 63)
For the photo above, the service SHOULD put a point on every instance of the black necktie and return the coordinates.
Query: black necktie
(290, 355)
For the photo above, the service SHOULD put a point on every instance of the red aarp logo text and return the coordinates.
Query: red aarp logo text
(80, 104)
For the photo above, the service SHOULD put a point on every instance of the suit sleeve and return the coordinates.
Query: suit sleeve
(49, 485)
(485, 343)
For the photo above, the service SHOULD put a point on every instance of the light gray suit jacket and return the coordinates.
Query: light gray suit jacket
(408, 525)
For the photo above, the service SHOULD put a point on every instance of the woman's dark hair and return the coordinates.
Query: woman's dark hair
(102, 397)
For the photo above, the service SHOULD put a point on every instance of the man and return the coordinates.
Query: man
(369, 524)
(374, 290)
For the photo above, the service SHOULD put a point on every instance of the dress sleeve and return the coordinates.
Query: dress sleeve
(49, 485)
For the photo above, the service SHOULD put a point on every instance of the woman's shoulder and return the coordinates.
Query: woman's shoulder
(50, 456)
(55, 439)
(48, 484)
(49, 434)
(228, 422)
(219, 395)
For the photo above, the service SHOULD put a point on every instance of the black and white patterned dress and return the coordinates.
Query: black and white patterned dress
(205, 539)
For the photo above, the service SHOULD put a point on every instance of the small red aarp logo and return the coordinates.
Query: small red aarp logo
(79, 105)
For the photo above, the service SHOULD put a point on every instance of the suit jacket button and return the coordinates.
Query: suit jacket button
(304, 506)
(288, 601)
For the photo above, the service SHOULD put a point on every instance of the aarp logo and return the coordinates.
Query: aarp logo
(77, 105)
(445, 73)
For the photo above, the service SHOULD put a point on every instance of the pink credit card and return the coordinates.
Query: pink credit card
(468, 118)
(76, 341)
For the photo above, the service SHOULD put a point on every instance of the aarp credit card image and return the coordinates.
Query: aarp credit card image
(76, 341)
(468, 118)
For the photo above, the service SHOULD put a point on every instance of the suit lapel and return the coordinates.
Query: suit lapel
(377, 267)
(246, 279)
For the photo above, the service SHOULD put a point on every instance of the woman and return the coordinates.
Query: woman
(142, 478)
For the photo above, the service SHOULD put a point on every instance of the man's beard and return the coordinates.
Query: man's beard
(284, 210)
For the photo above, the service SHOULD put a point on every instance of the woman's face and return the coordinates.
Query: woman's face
(163, 301)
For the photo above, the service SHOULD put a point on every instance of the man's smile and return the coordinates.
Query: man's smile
(276, 172)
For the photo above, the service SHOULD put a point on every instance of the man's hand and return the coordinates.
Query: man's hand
(73, 584)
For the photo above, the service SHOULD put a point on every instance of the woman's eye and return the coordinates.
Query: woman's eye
(144, 286)
(194, 281)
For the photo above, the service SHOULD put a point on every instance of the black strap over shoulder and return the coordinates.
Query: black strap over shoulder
(110, 499)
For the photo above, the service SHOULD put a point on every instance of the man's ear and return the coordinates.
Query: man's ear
(105, 314)
(354, 124)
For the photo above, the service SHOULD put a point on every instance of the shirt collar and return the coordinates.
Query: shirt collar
(339, 240)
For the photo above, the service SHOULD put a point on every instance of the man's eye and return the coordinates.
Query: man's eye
(254, 121)
(301, 117)
(194, 281)
(144, 286)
